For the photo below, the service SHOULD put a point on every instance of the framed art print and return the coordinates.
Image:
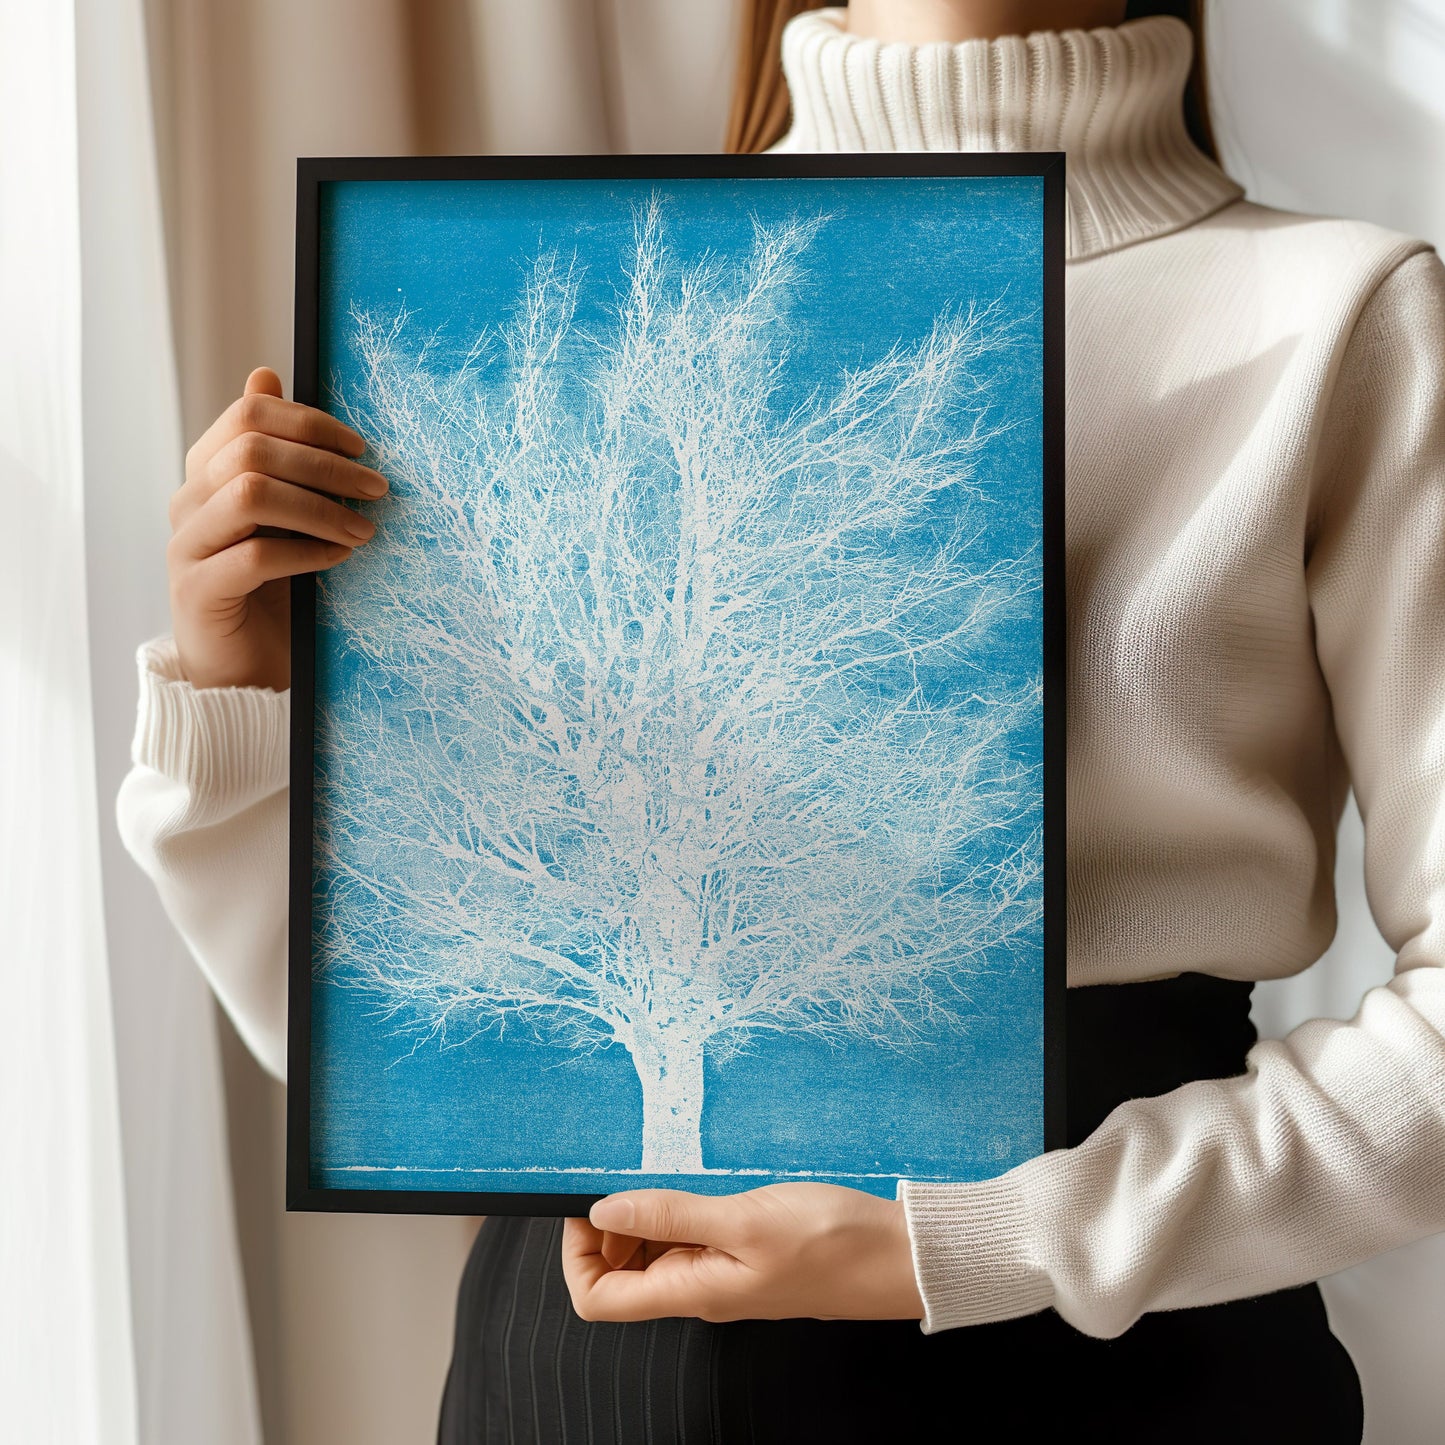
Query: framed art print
(677, 777)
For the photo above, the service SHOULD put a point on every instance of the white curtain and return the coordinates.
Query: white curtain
(71, 1286)
(65, 1330)
(120, 1298)
(193, 1363)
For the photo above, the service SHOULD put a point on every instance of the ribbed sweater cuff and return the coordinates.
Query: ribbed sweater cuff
(229, 746)
(970, 1254)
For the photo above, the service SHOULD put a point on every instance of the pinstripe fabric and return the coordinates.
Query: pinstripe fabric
(527, 1371)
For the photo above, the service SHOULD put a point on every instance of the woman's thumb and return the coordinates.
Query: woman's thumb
(263, 382)
(669, 1215)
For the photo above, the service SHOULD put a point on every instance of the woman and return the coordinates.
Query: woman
(1256, 592)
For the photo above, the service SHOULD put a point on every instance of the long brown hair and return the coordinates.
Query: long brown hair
(759, 114)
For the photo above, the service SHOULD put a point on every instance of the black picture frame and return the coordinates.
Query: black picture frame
(311, 176)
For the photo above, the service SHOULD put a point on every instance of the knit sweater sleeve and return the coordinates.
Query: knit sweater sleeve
(1331, 1147)
(203, 810)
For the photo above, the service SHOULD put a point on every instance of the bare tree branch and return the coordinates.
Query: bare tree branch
(657, 730)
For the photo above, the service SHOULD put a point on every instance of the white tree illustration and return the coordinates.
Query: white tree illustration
(650, 744)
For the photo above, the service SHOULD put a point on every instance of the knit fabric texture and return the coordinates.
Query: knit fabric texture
(1109, 98)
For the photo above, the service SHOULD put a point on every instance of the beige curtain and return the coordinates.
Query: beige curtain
(351, 1315)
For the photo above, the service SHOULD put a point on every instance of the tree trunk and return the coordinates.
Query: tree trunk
(671, 1075)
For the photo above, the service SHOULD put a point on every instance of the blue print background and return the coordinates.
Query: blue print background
(893, 254)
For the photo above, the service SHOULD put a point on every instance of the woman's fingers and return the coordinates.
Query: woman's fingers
(261, 432)
(622, 1251)
(271, 415)
(652, 1252)
(307, 466)
(235, 572)
(253, 500)
(680, 1281)
(287, 461)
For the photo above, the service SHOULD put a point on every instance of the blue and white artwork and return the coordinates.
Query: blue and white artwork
(678, 770)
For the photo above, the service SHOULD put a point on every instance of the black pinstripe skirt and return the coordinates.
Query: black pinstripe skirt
(526, 1371)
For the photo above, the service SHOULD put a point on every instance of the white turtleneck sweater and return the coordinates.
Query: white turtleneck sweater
(1256, 621)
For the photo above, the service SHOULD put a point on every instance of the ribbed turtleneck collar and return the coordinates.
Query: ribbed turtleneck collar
(1110, 98)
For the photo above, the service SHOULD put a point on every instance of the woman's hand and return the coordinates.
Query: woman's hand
(786, 1251)
(265, 464)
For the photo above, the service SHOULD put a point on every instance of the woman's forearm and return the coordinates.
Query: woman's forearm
(203, 810)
